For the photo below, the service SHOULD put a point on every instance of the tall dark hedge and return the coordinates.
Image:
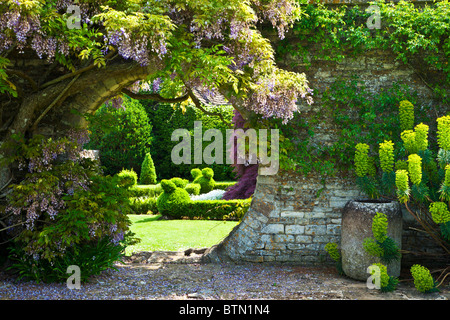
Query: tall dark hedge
(123, 136)
(165, 119)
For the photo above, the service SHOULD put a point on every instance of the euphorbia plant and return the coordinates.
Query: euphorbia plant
(415, 174)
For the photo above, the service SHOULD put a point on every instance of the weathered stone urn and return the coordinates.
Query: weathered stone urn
(357, 219)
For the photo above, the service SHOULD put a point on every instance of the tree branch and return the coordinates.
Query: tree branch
(110, 55)
(23, 76)
(154, 96)
(54, 102)
(198, 105)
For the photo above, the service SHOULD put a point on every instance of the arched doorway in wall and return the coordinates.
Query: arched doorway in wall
(164, 230)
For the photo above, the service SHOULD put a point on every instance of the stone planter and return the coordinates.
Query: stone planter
(357, 218)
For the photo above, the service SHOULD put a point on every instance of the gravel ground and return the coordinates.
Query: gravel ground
(175, 276)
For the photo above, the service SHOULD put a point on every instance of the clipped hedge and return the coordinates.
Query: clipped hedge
(179, 182)
(193, 188)
(205, 180)
(223, 185)
(200, 209)
(216, 209)
(146, 190)
(142, 205)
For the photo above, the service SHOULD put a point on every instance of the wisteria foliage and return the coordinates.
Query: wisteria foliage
(213, 43)
(52, 190)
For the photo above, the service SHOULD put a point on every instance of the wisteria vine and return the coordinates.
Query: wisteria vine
(157, 31)
(55, 172)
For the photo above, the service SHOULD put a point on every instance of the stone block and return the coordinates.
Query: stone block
(283, 238)
(334, 229)
(316, 230)
(295, 229)
(275, 246)
(303, 239)
(275, 228)
(295, 246)
(292, 214)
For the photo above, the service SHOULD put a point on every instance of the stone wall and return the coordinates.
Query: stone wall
(291, 217)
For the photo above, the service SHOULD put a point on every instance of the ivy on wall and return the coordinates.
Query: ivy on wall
(416, 36)
(354, 112)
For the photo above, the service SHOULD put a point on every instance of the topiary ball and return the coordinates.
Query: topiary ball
(179, 182)
(208, 173)
(168, 186)
(127, 178)
(196, 173)
(205, 180)
(173, 199)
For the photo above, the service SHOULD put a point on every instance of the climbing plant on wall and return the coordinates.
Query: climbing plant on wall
(411, 33)
(415, 36)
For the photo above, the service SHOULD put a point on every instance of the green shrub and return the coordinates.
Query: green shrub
(217, 209)
(206, 180)
(64, 210)
(165, 119)
(223, 185)
(173, 200)
(179, 182)
(381, 245)
(148, 171)
(423, 281)
(193, 188)
(387, 283)
(153, 190)
(123, 136)
(92, 258)
(127, 178)
(333, 251)
(144, 205)
(195, 173)
(91, 233)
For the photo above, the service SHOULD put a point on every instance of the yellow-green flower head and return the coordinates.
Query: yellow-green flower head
(402, 180)
(415, 168)
(372, 247)
(362, 162)
(443, 132)
(421, 131)
(409, 140)
(423, 281)
(386, 153)
(384, 277)
(379, 226)
(333, 251)
(447, 176)
(406, 113)
(439, 212)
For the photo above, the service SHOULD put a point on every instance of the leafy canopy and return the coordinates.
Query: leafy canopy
(212, 43)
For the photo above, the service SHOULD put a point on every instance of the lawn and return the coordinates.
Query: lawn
(173, 235)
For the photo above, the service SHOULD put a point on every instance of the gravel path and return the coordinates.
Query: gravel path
(175, 276)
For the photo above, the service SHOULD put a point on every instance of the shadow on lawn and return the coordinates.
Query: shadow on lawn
(150, 218)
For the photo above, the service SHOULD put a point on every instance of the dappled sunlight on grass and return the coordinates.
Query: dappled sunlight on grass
(173, 235)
